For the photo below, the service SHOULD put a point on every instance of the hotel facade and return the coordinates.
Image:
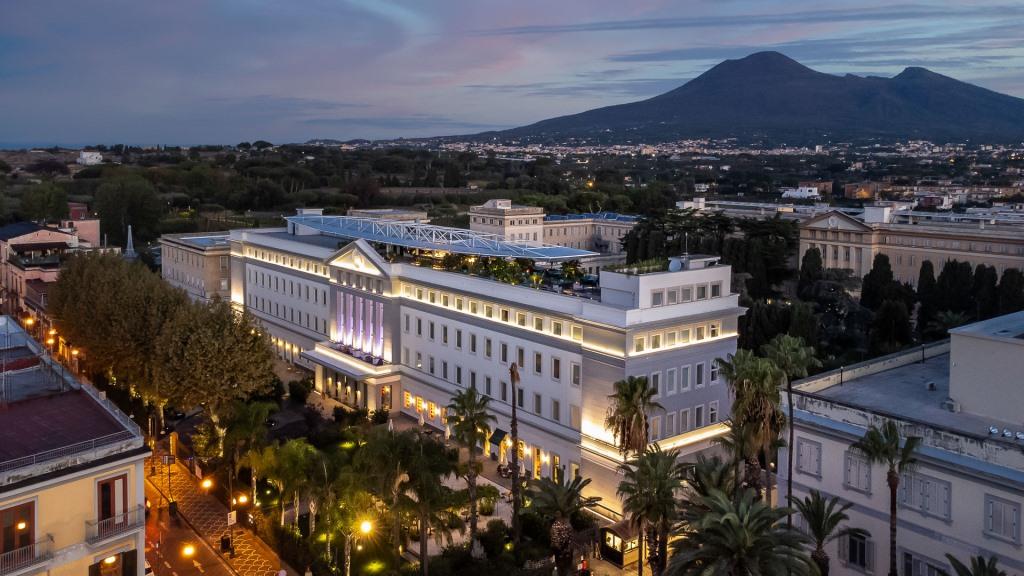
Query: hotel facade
(365, 305)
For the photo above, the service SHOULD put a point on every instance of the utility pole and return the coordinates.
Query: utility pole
(513, 374)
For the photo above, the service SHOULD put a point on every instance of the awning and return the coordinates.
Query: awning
(497, 436)
(352, 368)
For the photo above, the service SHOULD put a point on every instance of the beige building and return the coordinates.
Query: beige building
(965, 494)
(600, 232)
(71, 472)
(199, 264)
(852, 243)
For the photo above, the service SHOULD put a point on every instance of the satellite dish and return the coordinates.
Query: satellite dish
(675, 265)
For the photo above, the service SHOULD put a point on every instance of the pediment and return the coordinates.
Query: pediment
(360, 257)
(836, 221)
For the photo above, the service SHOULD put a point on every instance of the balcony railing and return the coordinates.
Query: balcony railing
(66, 451)
(99, 530)
(26, 556)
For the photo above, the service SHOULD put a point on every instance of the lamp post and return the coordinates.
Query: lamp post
(364, 529)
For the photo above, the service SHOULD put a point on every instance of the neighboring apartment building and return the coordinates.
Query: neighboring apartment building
(31, 255)
(71, 472)
(364, 304)
(197, 263)
(852, 242)
(600, 232)
(965, 494)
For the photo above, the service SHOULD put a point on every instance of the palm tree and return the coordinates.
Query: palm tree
(707, 475)
(794, 359)
(424, 494)
(247, 433)
(558, 503)
(823, 517)
(738, 538)
(629, 407)
(885, 446)
(384, 460)
(471, 425)
(260, 462)
(979, 566)
(648, 492)
(289, 472)
(741, 443)
(755, 386)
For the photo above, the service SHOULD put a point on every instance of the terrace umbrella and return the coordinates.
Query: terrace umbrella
(391, 424)
(422, 421)
(447, 433)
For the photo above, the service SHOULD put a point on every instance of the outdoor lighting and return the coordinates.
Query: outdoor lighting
(74, 351)
(365, 526)
(110, 560)
(49, 341)
(22, 525)
(188, 551)
(53, 331)
(30, 321)
(206, 483)
(242, 499)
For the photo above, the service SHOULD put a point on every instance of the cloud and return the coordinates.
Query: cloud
(416, 122)
(598, 86)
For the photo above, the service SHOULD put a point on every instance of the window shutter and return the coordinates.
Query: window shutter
(865, 472)
(989, 512)
(848, 472)
(869, 549)
(844, 550)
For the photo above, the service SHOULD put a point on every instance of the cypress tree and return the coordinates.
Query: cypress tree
(985, 291)
(811, 271)
(1011, 291)
(878, 283)
(890, 328)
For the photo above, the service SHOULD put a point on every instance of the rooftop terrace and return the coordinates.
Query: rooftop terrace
(48, 419)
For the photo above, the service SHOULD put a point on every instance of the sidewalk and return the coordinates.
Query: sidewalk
(209, 518)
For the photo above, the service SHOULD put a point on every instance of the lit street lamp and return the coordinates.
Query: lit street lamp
(365, 527)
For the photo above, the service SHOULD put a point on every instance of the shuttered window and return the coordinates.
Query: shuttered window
(857, 472)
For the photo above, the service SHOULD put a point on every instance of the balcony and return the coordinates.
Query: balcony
(26, 557)
(46, 261)
(99, 530)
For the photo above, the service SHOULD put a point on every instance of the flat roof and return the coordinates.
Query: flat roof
(606, 216)
(43, 423)
(430, 237)
(201, 241)
(1009, 327)
(904, 392)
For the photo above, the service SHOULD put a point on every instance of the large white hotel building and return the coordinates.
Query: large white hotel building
(366, 304)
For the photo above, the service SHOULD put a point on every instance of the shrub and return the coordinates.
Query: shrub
(379, 416)
(299, 390)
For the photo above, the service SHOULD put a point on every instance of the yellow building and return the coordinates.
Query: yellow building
(71, 471)
(197, 263)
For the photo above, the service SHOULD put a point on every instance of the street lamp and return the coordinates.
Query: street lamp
(206, 484)
(365, 528)
(188, 551)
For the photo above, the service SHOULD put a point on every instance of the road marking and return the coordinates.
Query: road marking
(198, 566)
(167, 564)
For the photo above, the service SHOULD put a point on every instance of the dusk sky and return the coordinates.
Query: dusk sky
(197, 71)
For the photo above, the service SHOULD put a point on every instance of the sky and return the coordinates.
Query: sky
(224, 71)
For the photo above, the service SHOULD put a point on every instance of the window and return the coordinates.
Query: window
(702, 292)
(419, 327)
(504, 353)
(698, 416)
(406, 323)
(655, 428)
(928, 495)
(670, 338)
(538, 362)
(684, 335)
(808, 457)
(519, 397)
(419, 360)
(444, 300)
(521, 318)
(433, 297)
(487, 385)
(472, 379)
(556, 410)
(444, 369)
(431, 332)
(504, 314)
(658, 298)
(670, 424)
(431, 364)
(699, 375)
(686, 294)
(684, 420)
(574, 416)
(17, 529)
(716, 289)
(712, 411)
(504, 391)
(556, 328)
(556, 368)
(473, 307)
(538, 323)
(638, 344)
(655, 382)
(672, 296)
(458, 303)
(577, 333)
(520, 357)
(700, 333)
(857, 472)
(655, 341)
(444, 333)
(487, 347)
(458, 339)
(472, 343)
(857, 551)
(713, 329)
(489, 311)
(916, 565)
(576, 373)
(1002, 518)
(714, 372)
(684, 379)
(458, 375)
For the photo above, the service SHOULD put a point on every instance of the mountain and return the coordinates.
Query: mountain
(769, 96)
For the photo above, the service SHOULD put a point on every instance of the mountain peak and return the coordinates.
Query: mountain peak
(760, 64)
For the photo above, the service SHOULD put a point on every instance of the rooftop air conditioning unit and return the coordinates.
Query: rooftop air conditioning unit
(951, 405)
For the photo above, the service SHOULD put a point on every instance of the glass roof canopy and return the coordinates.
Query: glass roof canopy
(430, 237)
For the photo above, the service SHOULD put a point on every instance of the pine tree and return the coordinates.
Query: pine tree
(811, 271)
(1011, 291)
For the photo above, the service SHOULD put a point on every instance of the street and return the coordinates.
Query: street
(168, 542)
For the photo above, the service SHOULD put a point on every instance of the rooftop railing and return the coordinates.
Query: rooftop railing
(66, 451)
